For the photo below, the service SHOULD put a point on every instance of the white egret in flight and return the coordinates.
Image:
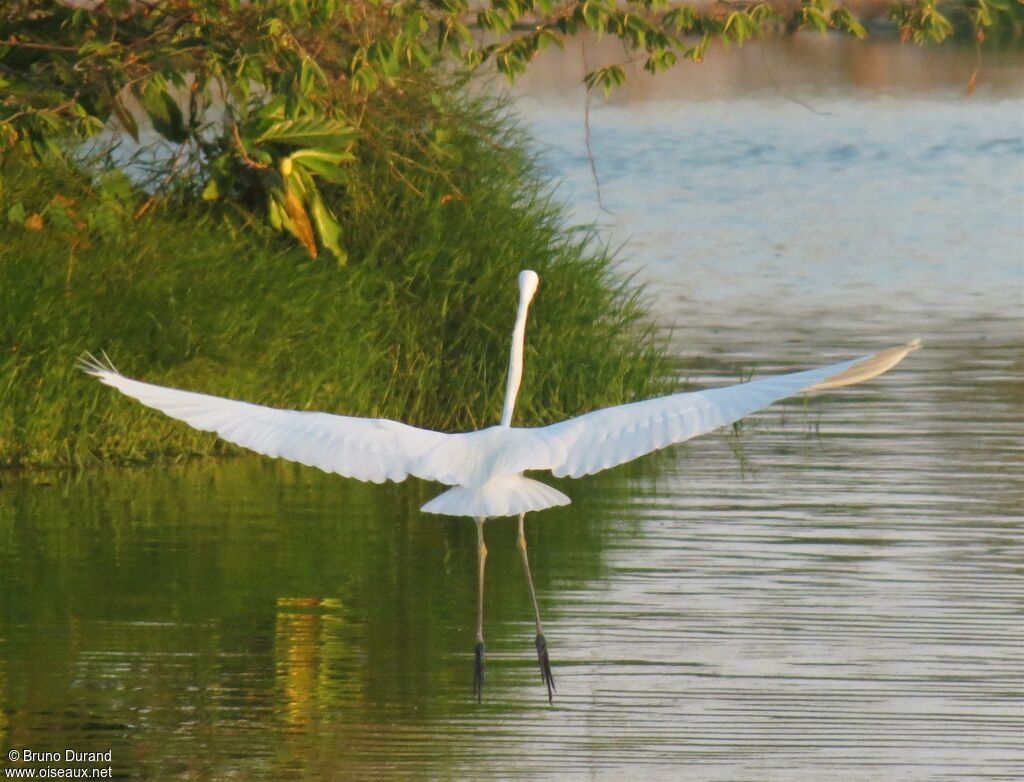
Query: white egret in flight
(485, 468)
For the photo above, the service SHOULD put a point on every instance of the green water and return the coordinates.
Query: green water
(246, 615)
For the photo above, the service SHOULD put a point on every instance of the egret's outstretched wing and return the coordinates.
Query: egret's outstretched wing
(614, 435)
(370, 449)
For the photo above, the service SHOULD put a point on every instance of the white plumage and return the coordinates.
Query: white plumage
(485, 467)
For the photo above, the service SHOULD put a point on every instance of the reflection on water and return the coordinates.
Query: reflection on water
(254, 614)
(833, 591)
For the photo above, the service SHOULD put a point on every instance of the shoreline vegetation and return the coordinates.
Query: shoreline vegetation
(414, 328)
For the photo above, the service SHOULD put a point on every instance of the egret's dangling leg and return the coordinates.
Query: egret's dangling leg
(478, 676)
(542, 645)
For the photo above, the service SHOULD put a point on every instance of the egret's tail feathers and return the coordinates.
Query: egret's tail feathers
(873, 366)
(506, 496)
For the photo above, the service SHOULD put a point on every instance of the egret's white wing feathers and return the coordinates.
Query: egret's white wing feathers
(370, 449)
(486, 465)
(615, 435)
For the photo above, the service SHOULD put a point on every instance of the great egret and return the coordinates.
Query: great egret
(485, 468)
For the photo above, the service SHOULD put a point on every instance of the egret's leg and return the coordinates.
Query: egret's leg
(478, 676)
(542, 645)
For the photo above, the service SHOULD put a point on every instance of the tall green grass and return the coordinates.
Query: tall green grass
(415, 328)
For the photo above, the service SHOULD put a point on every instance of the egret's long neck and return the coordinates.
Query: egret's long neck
(515, 359)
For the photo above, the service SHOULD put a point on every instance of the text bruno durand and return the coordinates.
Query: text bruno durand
(62, 764)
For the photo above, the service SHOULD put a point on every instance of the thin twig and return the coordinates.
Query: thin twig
(586, 134)
(972, 81)
(48, 47)
(166, 180)
(401, 176)
(787, 96)
(33, 110)
(245, 155)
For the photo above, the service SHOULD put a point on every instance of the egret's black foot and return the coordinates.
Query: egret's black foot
(478, 672)
(545, 666)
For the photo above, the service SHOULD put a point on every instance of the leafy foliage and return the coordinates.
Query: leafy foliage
(266, 103)
(416, 330)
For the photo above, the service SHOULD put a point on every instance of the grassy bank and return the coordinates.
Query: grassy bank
(415, 328)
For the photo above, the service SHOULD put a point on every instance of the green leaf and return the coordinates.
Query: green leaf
(104, 220)
(323, 162)
(815, 18)
(984, 15)
(212, 191)
(416, 24)
(608, 78)
(163, 111)
(844, 20)
(489, 19)
(593, 15)
(682, 19)
(422, 55)
(116, 186)
(61, 218)
(275, 210)
(325, 155)
(125, 118)
(547, 37)
(660, 61)
(327, 227)
(307, 76)
(332, 173)
(304, 132)
(16, 214)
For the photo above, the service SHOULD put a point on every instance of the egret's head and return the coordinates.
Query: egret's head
(528, 282)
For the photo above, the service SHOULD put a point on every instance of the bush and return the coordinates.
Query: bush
(415, 328)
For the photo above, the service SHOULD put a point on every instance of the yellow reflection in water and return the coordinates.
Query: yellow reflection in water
(306, 627)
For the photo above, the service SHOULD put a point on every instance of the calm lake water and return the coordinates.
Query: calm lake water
(834, 592)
